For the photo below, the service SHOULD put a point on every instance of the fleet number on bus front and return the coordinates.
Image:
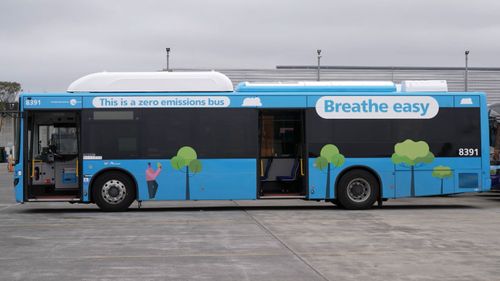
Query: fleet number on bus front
(468, 152)
(32, 102)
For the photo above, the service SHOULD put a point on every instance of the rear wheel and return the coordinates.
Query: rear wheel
(113, 192)
(357, 189)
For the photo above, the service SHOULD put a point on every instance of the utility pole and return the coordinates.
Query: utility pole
(319, 63)
(466, 74)
(168, 59)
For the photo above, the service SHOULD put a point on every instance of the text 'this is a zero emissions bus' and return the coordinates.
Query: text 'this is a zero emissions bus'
(118, 137)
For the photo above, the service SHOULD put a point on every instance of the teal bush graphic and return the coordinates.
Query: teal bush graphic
(411, 153)
(329, 156)
(442, 172)
(186, 161)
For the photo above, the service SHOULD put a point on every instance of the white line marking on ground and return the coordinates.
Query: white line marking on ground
(283, 243)
(4, 208)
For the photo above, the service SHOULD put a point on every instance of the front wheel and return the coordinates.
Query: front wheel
(113, 192)
(357, 189)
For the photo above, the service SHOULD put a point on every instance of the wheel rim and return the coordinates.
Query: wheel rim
(359, 190)
(114, 192)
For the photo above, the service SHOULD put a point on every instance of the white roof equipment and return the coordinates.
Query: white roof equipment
(322, 84)
(208, 81)
(318, 86)
(424, 86)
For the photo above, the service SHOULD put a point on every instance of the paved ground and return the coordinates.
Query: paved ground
(448, 238)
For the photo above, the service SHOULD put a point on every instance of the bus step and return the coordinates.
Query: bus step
(54, 199)
(282, 197)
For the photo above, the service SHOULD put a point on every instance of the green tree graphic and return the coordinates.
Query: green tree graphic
(329, 156)
(186, 158)
(442, 172)
(412, 153)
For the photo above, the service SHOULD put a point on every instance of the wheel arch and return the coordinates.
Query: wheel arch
(360, 167)
(108, 170)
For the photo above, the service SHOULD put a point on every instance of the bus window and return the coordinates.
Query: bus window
(446, 133)
(159, 133)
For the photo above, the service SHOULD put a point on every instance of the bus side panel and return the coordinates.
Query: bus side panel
(318, 178)
(216, 179)
(224, 179)
(396, 180)
(463, 176)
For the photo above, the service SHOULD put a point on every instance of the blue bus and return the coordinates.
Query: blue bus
(116, 138)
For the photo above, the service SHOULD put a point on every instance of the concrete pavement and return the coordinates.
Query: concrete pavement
(442, 238)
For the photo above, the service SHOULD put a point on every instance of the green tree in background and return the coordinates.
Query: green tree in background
(186, 161)
(411, 153)
(329, 155)
(8, 93)
(442, 172)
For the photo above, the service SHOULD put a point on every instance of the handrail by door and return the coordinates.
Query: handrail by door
(33, 161)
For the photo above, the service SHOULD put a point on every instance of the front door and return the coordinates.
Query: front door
(52, 160)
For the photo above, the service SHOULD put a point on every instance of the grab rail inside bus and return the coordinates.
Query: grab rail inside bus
(302, 167)
(33, 161)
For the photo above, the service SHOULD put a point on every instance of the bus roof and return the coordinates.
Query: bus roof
(120, 82)
(211, 81)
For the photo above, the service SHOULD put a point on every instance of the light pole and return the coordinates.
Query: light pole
(466, 74)
(319, 63)
(168, 59)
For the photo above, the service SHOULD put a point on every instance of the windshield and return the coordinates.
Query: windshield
(63, 139)
(58, 140)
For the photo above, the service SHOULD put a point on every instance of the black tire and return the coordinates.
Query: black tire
(113, 192)
(357, 190)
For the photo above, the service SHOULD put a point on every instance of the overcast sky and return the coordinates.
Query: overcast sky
(45, 45)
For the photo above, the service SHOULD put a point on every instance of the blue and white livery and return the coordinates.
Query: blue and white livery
(114, 138)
